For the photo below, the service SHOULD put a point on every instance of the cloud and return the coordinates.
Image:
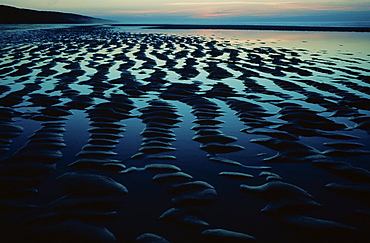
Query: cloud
(276, 5)
(217, 14)
(212, 10)
(313, 7)
(244, 8)
(194, 4)
(134, 11)
(145, 12)
(209, 3)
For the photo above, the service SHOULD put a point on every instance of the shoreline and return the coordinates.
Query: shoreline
(249, 27)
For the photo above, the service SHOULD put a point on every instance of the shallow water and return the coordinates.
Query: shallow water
(91, 93)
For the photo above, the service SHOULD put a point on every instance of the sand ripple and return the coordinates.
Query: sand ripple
(111, 136)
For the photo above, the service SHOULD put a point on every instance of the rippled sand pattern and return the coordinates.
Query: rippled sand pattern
(108, 136)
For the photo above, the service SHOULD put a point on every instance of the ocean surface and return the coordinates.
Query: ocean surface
(314, 24)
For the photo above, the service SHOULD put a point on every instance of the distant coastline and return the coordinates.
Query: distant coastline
(250, 27)
(13, 15)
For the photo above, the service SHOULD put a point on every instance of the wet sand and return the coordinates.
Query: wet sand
(112, 136)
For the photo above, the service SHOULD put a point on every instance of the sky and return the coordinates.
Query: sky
(206, 11)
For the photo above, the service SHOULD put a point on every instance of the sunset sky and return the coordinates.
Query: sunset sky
(206, 11)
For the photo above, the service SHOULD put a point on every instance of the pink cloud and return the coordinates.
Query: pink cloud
(261, 9)
(232, 9)
(314, 7)
(214, 15)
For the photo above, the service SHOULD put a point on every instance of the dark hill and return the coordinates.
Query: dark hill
(12, 15)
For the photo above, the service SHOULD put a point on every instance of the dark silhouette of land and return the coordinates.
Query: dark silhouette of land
(13, 15)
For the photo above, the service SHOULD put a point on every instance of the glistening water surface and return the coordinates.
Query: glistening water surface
(108, 133)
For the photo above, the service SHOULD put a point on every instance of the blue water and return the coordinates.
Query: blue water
(316, 24)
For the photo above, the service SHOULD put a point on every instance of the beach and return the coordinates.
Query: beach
(124, 134)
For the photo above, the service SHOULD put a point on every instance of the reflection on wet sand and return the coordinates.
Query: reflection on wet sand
(108, 135)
